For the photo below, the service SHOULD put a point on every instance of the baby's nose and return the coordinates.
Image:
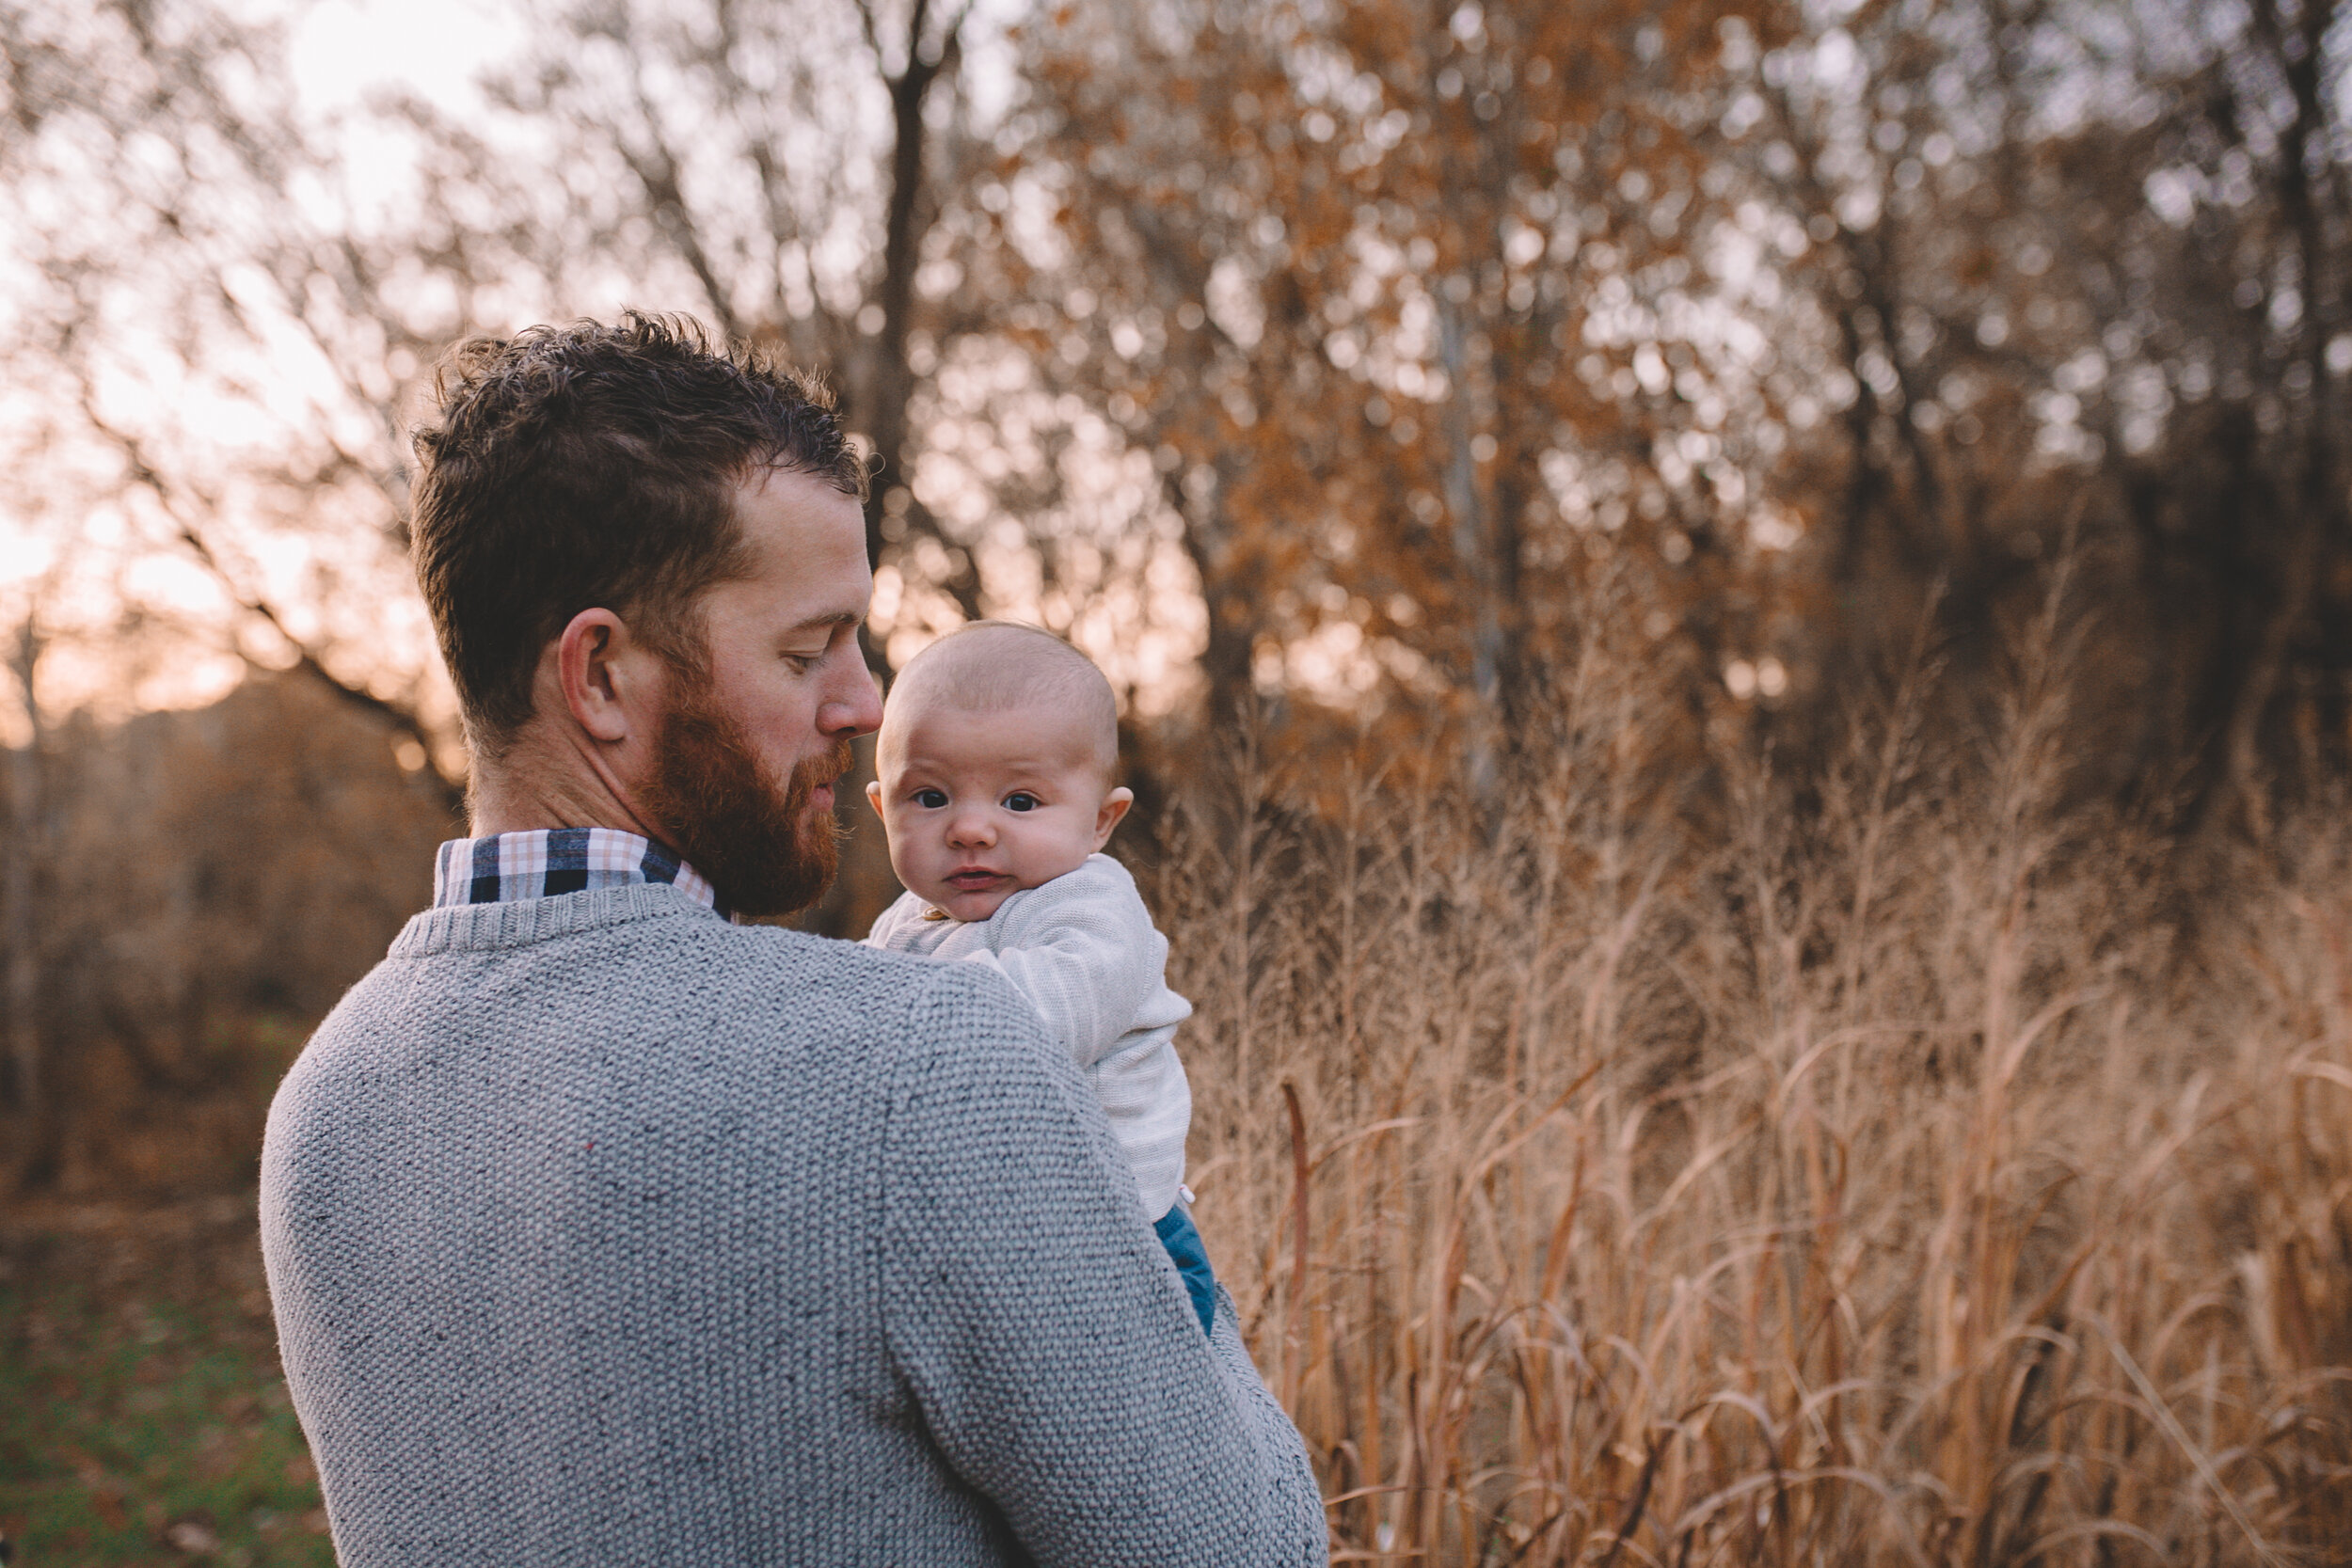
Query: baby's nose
(970, 830)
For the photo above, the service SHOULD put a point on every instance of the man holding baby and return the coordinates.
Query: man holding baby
(601, 1227)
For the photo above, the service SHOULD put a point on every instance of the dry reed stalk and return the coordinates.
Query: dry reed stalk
(1853, 1175)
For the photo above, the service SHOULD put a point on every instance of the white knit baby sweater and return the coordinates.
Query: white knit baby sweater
(1083, 949)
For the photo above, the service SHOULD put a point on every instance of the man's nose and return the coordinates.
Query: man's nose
(853, 708)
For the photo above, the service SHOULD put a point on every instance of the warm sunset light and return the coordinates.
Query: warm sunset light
(1728, 634)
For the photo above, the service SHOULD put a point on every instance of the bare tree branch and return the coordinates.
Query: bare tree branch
(401, 718)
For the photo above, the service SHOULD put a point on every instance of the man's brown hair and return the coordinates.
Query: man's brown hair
(592, 466)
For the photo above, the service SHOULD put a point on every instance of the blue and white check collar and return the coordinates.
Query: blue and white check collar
(544, 862)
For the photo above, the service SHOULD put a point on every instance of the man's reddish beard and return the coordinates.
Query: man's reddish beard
(755, 840)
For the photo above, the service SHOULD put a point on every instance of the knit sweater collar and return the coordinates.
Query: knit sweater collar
(518, 922)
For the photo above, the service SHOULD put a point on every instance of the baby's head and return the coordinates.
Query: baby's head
(998, 756)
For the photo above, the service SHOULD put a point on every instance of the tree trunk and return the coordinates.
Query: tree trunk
(887, 384)
(21, 887)
(2315, 502)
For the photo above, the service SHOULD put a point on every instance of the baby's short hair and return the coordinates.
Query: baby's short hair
(995, 666)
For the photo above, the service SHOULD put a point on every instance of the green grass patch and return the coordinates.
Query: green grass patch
(139, 1428)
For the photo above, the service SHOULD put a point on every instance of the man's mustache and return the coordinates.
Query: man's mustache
(829, 769)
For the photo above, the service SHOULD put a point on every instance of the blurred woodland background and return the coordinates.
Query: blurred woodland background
(1737, 627)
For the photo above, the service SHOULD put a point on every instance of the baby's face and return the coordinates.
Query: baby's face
(978, 806)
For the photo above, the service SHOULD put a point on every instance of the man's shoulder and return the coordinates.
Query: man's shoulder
(644, 927)
(770, 973)
(962, 1008)
(732, 988)
(882, 999)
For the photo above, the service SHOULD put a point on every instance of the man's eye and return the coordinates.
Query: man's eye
(1021, 799)
(932, 799)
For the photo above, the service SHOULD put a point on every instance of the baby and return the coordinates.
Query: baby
(998, 749)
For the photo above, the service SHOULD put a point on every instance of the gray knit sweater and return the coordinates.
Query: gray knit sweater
(601, 1230)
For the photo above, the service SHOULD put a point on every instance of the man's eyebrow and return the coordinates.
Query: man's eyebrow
(826, 620)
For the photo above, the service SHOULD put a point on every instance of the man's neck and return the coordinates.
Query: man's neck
(540, 782)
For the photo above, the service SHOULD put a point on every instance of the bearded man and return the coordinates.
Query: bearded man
(603, 1228)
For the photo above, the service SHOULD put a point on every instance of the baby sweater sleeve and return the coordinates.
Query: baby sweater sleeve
(1083, 950)
(891, 924)
(1042, 1331)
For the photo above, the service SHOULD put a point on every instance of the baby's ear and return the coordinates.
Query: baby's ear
(1115, 806)
(873, 797)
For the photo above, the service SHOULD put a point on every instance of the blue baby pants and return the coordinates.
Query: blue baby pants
(1183, 1241)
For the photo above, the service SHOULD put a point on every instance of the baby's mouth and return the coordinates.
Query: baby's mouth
(973, 878)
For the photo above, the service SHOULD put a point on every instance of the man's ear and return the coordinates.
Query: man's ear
(604, 673)
(1115, 806)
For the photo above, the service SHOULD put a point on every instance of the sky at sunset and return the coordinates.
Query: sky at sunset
(80, 550)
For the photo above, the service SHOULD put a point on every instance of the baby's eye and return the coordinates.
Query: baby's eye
(933, 798)
(1021, 799)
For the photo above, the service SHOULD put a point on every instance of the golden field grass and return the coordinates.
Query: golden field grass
(1637, 1158)
(1896, 1168)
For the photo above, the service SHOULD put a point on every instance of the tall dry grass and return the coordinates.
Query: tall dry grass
(1864, 1168)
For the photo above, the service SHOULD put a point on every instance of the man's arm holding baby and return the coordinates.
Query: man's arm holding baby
(1040, 1327)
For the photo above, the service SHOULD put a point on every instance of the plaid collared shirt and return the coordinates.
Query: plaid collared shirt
(545, 861)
